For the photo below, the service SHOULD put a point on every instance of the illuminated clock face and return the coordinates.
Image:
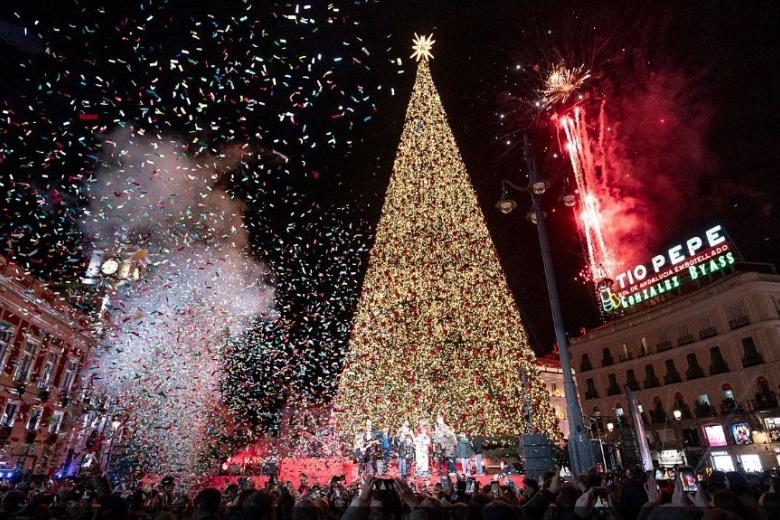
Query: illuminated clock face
(110, 266)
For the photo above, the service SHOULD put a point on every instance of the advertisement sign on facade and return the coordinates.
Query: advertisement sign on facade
(741, 433)
(715, 435)
(697, 257)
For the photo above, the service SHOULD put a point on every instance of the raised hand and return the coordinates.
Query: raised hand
(651, 488)
(679, 498)
(406, 495)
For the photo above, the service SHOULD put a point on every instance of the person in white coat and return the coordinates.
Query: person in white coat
(422, 445)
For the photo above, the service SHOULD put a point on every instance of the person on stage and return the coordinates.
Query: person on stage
(384, 443)
(406, 454)
(422, 444)
(450, 449)
(370, 442)
(403, 432)
(464, 453)
(358, 449)
(476, 445)
(440, 456)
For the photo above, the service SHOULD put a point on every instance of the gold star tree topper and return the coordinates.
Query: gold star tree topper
(422, 47)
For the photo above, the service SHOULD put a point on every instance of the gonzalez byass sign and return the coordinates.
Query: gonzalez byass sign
(698, 256)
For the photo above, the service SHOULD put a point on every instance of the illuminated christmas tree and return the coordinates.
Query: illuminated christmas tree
(436, 329)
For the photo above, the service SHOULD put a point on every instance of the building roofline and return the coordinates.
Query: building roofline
(32, 290)
(676, 304)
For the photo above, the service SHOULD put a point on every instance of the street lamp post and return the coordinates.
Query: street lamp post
(580, 452)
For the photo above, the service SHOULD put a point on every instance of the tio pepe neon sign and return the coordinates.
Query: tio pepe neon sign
(696, 257)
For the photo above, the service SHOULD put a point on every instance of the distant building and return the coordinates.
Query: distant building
(44, 345)
(550, 373)
(705, 367)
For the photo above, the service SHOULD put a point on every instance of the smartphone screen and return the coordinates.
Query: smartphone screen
(494, 489)
(688, 479)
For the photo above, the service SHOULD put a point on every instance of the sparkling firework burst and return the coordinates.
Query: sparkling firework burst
(562, 82)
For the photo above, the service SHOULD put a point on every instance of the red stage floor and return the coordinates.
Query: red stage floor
(320, 471)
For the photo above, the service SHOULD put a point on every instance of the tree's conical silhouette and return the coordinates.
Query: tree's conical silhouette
(436, 329)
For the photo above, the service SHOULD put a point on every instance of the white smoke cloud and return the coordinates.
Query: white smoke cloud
(201, 285)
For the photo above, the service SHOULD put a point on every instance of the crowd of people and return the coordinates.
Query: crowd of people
(417, 452)
(618, 496)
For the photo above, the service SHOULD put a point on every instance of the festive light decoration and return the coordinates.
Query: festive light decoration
(422, 46)
(436, 330)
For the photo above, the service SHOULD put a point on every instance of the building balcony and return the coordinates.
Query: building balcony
(694, 373)
(685, 340)
(708, 333)
(765, 401)
(613, 390)
(664, 345)
(685, 410)
(585, 366)
(704, 410)
(718, 368)
(651, 382)
(739, 322)
(607, 361)
(658, 416)
(633, 384)
(625, 357)
(672, 377)
(730, 406)
(753, 359)
(591, 394)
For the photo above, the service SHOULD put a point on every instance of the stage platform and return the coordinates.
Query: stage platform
(321, 470)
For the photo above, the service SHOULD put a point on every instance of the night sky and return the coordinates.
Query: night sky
(721, 55)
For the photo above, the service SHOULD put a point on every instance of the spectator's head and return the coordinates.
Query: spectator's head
(112, 507)
(719, 514)
(207, 503)
(38, 506)
(508, 494)
(500, 510)
(530, 486)
(305, 509)
(478, 501)
(385, 504)
(13, 501)
(716, 482)
(771, 502)
(567, 497)
(736, 483)
(459, 511)
(670, 513)
(725, 500)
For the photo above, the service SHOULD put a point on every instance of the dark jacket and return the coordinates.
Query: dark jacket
(464, 448)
